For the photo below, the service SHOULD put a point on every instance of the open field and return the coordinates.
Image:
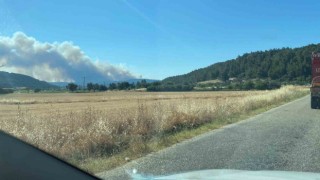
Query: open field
(78, 127)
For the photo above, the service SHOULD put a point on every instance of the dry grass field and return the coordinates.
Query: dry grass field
(80, 126)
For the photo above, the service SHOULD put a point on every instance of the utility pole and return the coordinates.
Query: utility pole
(84, 82)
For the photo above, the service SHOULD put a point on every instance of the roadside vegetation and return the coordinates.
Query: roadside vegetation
(99, 131)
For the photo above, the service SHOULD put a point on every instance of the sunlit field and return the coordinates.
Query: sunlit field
(79, 126)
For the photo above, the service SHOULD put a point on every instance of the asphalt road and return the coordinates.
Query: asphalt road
(285, 138)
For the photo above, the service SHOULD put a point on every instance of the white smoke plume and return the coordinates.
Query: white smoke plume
(54, 62)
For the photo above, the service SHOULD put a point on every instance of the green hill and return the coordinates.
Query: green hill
(286, 65)
(13, 80)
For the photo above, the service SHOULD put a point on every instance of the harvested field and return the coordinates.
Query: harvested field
(80, 126)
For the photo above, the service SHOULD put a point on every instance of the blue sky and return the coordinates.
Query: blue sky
(157, 39)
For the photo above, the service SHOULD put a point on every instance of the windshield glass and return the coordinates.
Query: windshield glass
(123, 88)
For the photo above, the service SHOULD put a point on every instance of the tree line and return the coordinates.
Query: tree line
(112, 86)
(5, 91)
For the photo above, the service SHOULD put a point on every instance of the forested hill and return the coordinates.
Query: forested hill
(13, 80)
(283, 65)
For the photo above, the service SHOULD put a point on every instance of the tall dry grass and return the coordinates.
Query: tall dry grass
(95, 132)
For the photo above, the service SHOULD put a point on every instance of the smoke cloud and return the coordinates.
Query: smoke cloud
(54, 62)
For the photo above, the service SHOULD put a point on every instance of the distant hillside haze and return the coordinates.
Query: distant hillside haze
(283, 65)
(13, 80)
(137, 80)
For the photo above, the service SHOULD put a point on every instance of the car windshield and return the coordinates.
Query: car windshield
(137, 88)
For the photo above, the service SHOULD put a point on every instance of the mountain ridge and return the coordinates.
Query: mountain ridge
(284, 64)
(15, 80)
